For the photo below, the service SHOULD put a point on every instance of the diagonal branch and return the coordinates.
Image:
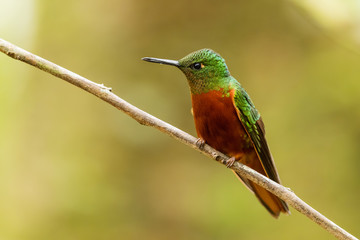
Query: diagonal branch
(146, 119)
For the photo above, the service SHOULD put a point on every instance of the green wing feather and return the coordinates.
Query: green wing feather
(254, 126)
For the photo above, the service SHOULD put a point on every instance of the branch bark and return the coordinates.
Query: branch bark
(146, 119)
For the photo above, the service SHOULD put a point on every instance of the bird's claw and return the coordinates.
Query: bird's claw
(230, 162)
(200, 143)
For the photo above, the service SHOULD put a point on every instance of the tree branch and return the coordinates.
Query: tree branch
(146, 119)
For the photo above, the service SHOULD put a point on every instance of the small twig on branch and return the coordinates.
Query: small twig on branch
(144, 118)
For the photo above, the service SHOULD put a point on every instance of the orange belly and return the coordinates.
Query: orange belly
(217, 123)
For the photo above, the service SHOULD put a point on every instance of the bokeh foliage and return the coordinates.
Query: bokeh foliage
(73, 167)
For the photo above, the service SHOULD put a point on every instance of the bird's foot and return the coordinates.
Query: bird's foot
(200, 143)
(230, 162)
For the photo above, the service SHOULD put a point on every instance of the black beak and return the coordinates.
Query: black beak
(162, 61)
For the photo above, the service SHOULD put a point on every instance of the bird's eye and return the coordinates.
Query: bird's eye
(197, 66)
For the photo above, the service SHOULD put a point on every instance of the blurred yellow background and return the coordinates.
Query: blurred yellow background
(73, 167)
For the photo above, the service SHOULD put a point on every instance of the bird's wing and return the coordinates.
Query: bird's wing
(254, 126)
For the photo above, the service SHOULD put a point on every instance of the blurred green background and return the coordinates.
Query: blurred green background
(73, 167)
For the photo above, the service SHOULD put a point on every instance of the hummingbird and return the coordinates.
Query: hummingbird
(227, 120)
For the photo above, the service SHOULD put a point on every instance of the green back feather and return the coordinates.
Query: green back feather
(251, 120)
(245, 105)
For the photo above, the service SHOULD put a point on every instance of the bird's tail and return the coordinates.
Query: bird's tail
(271, 202)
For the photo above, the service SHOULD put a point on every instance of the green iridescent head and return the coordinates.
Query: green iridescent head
(204, 69)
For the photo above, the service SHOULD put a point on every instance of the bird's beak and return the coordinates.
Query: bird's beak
(162, 61)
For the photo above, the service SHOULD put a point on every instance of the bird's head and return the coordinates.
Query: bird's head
(204, 69)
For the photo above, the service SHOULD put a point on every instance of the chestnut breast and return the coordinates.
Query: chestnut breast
(217, 122)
